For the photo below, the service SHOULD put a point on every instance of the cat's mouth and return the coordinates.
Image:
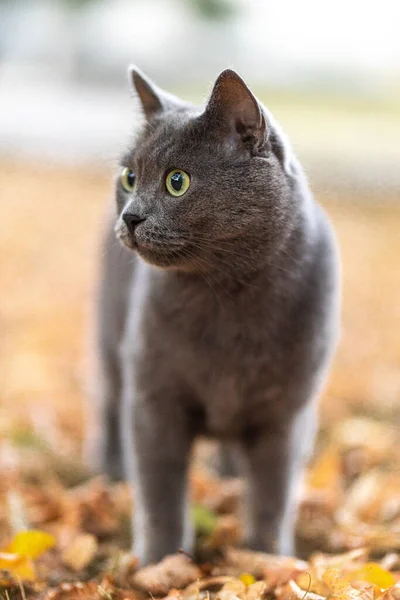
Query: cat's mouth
(155, 252)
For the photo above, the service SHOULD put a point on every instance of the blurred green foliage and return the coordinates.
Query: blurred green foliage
(204, 519)
(209, 9)
(214, 9)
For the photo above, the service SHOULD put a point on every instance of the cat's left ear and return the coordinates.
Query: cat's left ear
(235, 111)
(153, 99)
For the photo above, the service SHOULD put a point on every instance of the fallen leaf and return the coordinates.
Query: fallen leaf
(247, 579)
(372, 573)
(18, 565)
(80, 552)
(255, 591)
(326, 472)
(260, 564)
(392, 593)
(213, 584)
(291, 591)
(339, 587)
(174, 571)
(31, 543)
(226, 532)
(17, 556)
(204, 520)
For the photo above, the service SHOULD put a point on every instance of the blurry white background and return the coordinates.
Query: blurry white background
(329, 71)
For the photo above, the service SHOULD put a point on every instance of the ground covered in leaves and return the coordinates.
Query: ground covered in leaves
(65, 534)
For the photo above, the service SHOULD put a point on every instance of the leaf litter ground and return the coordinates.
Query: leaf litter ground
(65, 535)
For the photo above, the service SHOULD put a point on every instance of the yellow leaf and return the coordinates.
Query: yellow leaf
(247, 579)
(372, 573)
(341, 589)
(30, 543)
(17, 565)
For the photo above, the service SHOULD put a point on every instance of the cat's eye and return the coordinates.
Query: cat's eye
(128, 179)
(177, 182)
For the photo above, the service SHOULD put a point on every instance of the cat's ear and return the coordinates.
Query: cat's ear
(234, 110)
(153, 99)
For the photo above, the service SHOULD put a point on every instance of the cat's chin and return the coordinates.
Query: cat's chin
(158, 257)
(161, 259)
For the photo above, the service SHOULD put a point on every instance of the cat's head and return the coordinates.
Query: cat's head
(204, 187)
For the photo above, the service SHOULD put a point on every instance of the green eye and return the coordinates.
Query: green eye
(177, 182)
(128, 179)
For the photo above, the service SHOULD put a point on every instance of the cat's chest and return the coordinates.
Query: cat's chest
(219, 347)
(210, 324)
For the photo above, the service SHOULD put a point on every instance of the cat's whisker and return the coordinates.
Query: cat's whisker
(218, 248)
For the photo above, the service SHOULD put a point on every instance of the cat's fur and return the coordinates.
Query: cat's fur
(224, 319)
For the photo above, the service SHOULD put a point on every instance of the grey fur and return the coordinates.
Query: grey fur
(222, 321)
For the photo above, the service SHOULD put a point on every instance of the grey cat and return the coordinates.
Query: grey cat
(218, 314)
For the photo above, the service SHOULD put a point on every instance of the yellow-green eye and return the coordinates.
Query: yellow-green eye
(128, 179)
(177, 182)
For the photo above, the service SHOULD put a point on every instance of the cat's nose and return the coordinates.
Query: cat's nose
(132, 221)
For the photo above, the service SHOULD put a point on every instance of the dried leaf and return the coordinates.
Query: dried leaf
(80, 553)
(392, 593)
(30, 543)
(247, 578)
(212, 584)
(255, 591)
(291, 591)
(236, 586)
(226, 532)
(261, 565)
(326, 472)
(174, 571)
(372, 573)
(18, 565)
(339, 587)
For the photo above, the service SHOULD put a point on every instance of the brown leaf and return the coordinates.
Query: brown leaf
(262, 565)
(175, 571)
(80, 552)
(211, 584)
(226, 532)
(91, 590)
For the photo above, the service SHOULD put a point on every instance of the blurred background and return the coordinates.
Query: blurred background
(330, 72)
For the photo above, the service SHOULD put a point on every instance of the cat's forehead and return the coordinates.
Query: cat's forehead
(172, 136)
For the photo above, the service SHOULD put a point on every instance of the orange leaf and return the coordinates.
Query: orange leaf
(18, 565)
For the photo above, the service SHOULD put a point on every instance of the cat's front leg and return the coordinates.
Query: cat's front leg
(275, 459)
(157, 444)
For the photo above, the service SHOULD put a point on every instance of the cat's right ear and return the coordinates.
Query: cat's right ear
(153, 99)
(234, 111)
